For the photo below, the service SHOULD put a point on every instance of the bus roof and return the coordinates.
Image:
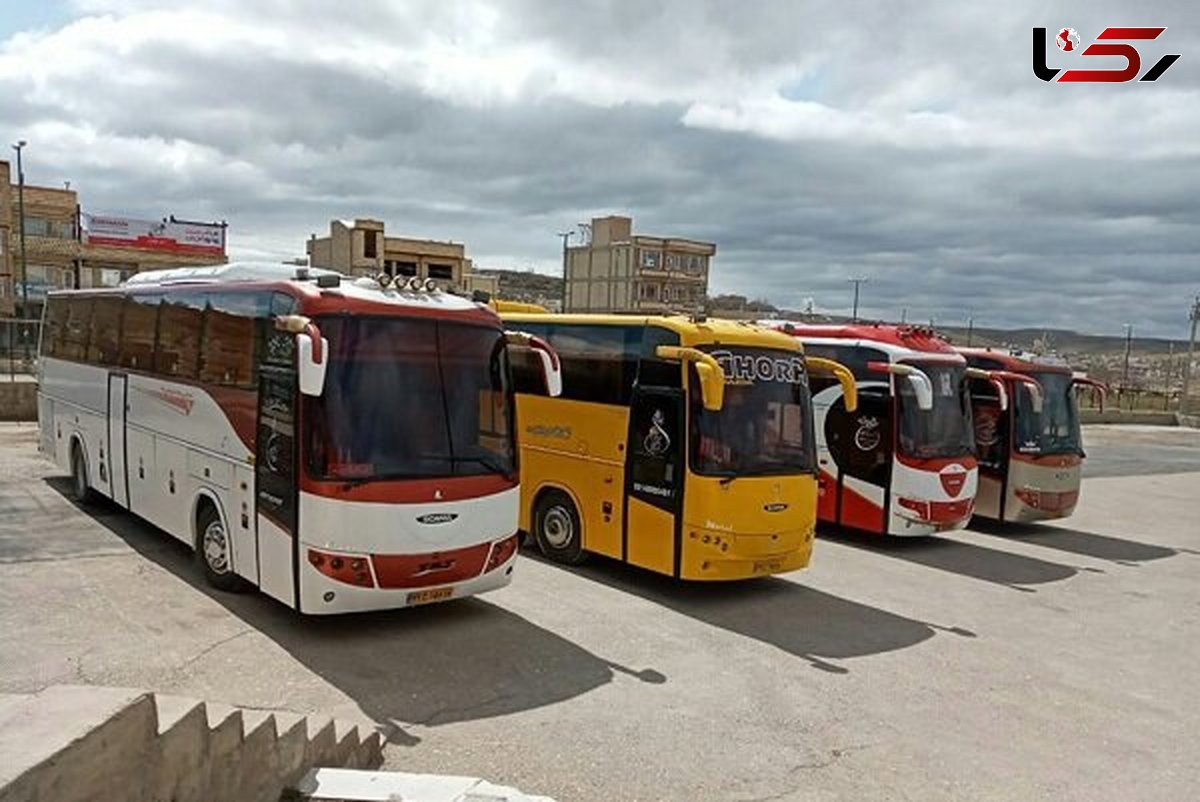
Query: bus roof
(348, 295)
(1017, 361)
(901, 341)
(691, 331)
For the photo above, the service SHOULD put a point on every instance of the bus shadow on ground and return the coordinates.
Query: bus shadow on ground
(815, 626)
(953, 553)
(445, 663)
(1076, 541)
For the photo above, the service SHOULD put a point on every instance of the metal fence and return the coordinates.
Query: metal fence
(18, 348)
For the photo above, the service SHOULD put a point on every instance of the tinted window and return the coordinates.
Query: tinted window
(860, 442)
(105, 341)
(655, 372)
(55, 326)
(78, 329)
(527, 374)
(229, 353)
(599, 363)
(855, 357)
(139, 326)
(180, 321)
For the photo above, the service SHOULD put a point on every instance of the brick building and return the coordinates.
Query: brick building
(360, 247)
(619, 271)
(62, 255)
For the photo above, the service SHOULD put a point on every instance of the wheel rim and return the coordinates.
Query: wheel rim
(557, 527)
(216, 551)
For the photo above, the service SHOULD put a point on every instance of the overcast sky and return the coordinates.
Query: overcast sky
(811, 141)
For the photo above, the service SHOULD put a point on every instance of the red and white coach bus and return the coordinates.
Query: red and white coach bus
(903, 463)
(1027, 435)
(340, 444)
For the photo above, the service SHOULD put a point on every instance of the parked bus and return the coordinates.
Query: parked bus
(1027, 435)
(684, 446)
(341, 445)
(903, 463)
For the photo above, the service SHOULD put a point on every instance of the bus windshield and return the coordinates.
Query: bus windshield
(765, 425)
(410, 398)
(1056, 430)
(946, 429)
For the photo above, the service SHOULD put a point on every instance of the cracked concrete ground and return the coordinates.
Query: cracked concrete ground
(1041, 662)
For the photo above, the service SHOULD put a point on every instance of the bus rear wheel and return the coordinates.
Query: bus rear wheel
(213, 550)
(556, 528)
(81, 491)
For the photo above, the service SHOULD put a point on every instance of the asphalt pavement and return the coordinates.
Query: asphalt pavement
(1007, 663)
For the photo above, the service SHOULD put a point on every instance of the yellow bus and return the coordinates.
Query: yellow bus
(681, 445)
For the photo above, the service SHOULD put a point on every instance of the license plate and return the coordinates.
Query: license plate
(766, 566)
(431, 595)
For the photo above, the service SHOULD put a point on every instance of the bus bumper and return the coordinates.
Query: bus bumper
(718, 556)
(323, 595)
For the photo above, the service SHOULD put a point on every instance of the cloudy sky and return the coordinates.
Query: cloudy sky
(909, 143)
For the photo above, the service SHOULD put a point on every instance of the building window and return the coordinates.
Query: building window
(406, 268)
(441, 271)
(54, 229)
(650, 259)
(369, 244)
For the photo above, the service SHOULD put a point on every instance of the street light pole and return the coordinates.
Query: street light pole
(1187, 366)
(857, 282)
(1128, 343)
(21, 227)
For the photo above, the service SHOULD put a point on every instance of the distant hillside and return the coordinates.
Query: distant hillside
(527, 286)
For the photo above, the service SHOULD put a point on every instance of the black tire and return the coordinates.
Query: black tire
(557, 529)
(81, 491)
(213, 551)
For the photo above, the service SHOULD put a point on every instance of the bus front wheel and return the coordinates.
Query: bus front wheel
(556, 528)
(213, 550)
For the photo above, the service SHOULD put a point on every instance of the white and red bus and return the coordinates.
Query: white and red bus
(340, 444)
(1027, 435)
(903, 463)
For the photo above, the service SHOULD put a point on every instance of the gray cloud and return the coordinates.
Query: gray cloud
(912, 145)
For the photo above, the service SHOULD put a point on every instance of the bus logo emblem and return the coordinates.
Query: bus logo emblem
(657, 441)
(437, 518)
(953, 478)
(778, 506)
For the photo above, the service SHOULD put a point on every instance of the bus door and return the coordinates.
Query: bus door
(991, 446)
(118, 476)
(654, 479)
(860, 443)
(276, 493)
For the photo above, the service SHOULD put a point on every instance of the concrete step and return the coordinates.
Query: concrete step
(183, 735)
(68, 741)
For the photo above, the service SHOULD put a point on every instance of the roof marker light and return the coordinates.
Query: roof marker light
(384, 280)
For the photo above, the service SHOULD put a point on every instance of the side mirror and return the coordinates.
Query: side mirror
(1033, 385)
(842, 373)
(995, 381)
(922, 387)
(311, 351)
(551, 365)
(708, 371)
(1098, 388)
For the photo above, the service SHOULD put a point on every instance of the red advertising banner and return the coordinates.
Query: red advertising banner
(154, 235)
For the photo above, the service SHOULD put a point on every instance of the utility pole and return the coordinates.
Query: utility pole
(21, 228)
(970, 330)
(1187, 366)
(858, 281)
(904, 314)
(566, 235)
(1128, 343)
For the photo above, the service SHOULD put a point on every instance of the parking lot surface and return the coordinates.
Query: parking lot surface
(1041, 661)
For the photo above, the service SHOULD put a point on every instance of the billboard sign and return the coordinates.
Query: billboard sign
(165, 235)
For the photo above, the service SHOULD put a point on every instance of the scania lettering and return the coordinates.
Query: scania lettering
(341, 445)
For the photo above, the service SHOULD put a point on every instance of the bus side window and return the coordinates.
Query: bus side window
(180, 320)
(598, 362)
(655, 372)
(138, 329)
(56, 326)
(105, 342)
(526, 369)
(229, 342)
(861, 441)
(78, 329)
